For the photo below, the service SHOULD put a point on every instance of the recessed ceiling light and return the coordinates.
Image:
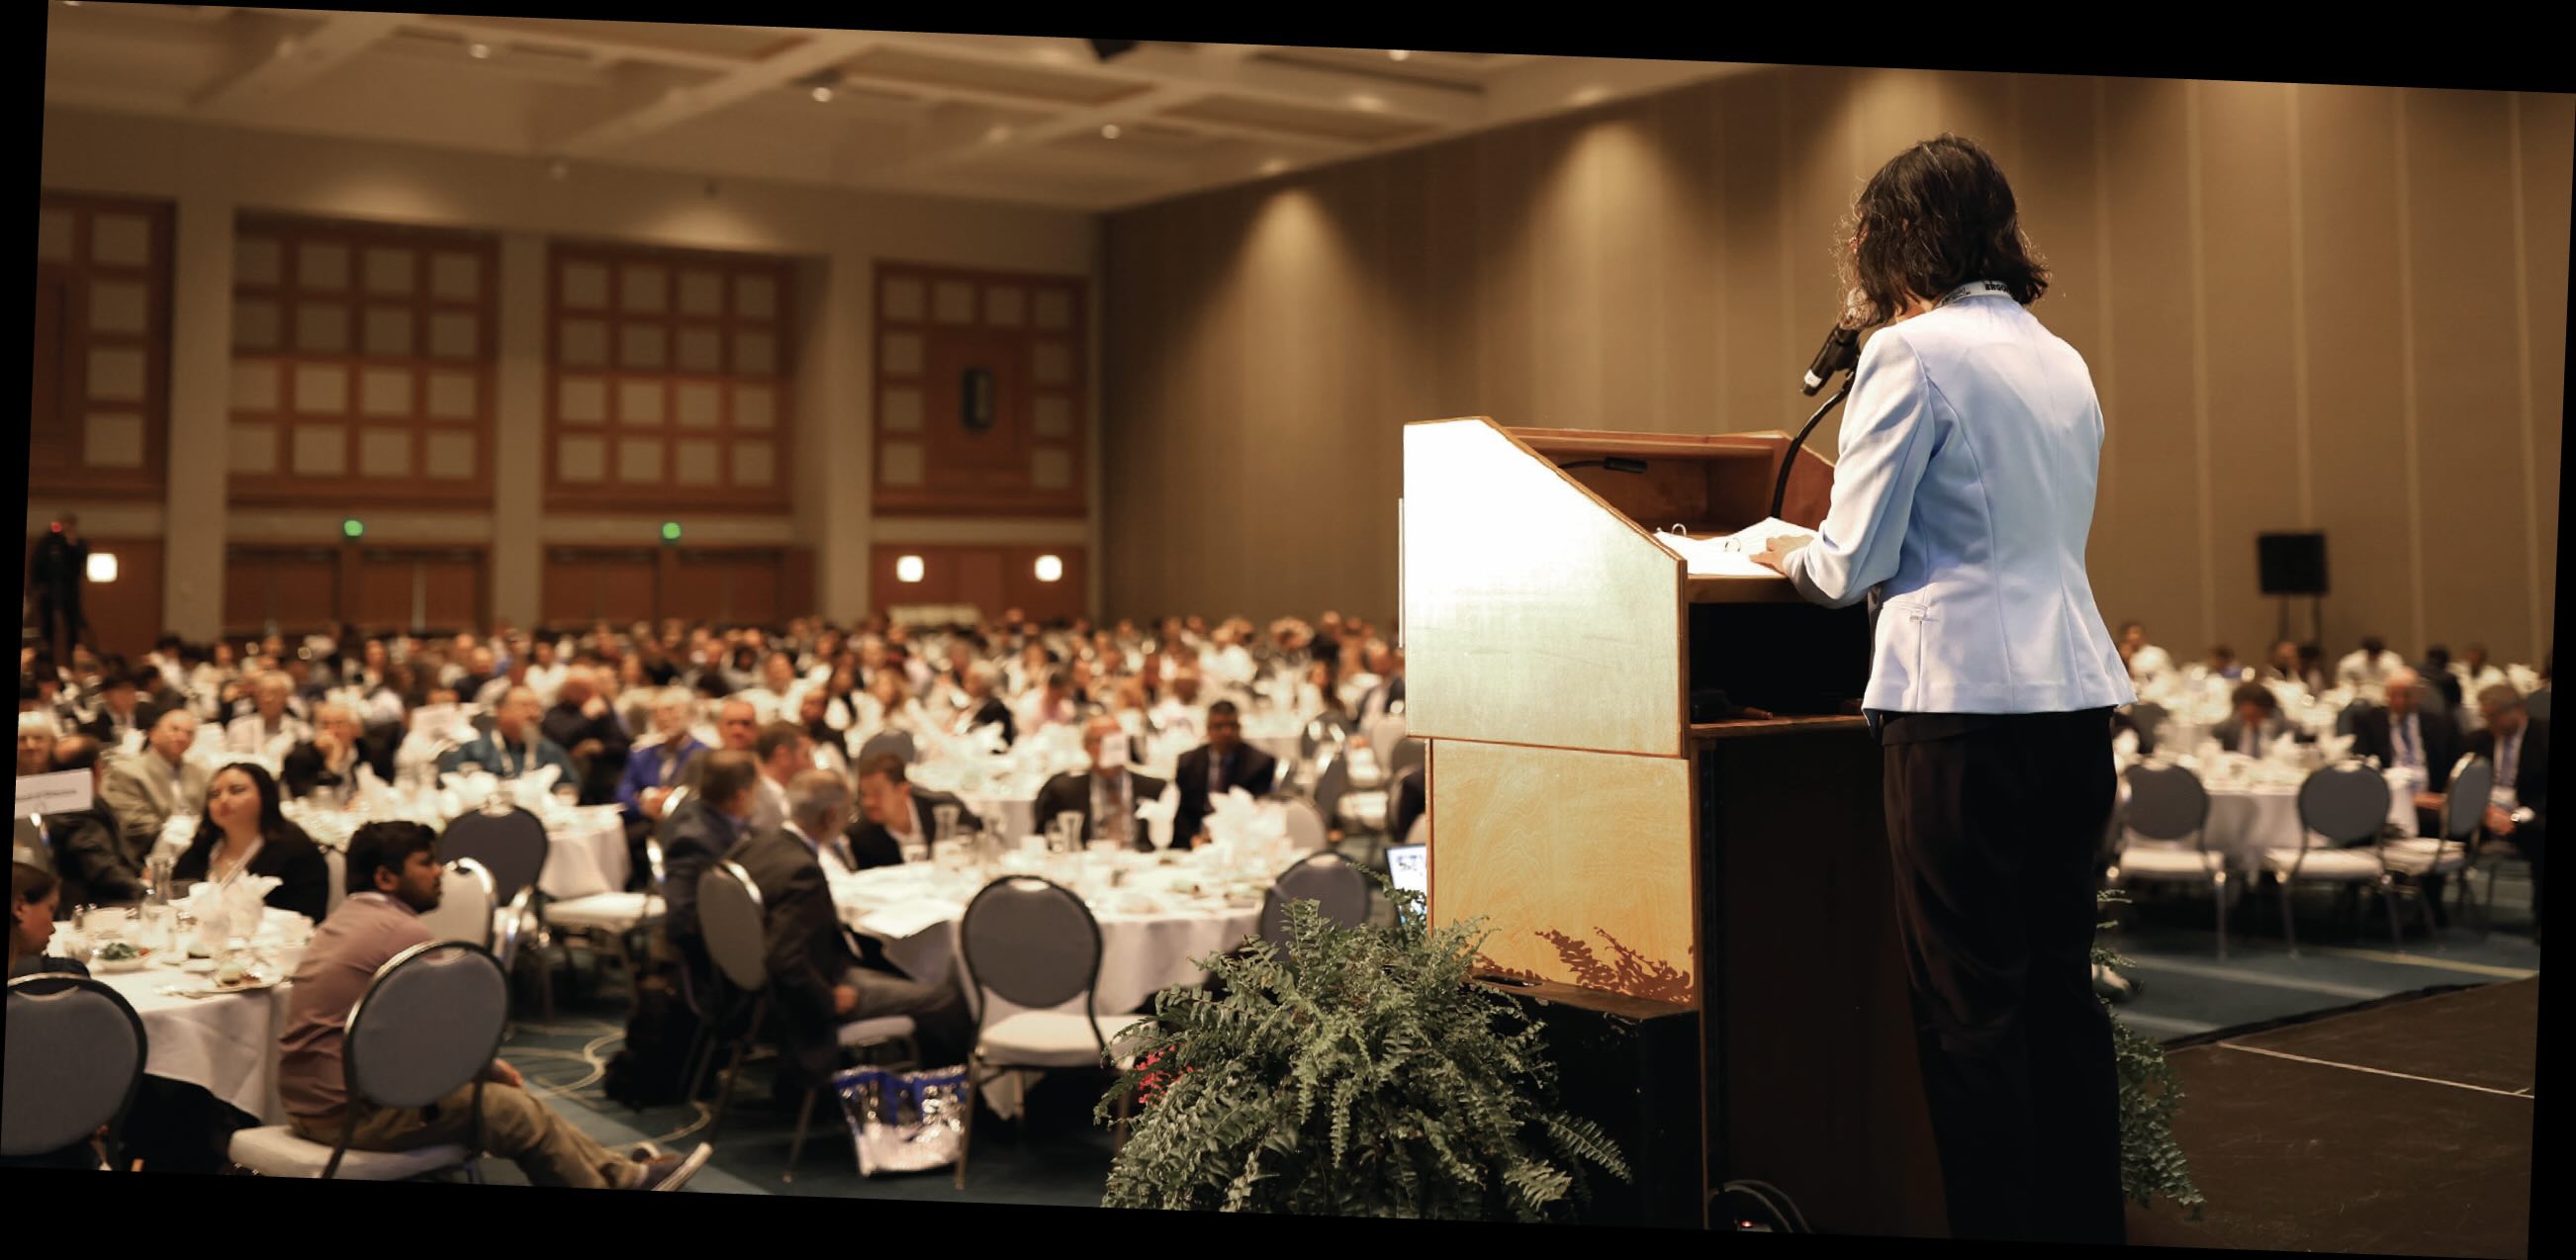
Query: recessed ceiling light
(478, 51)
(822, 94)
(1274, 166)
(1398, 54)
(1365, 101)
(998, 134)
(1590, 94)
(1109, 132)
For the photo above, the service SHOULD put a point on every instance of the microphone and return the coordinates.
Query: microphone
(1841, 353)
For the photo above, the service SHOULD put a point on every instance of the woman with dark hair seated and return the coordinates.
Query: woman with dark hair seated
(246, 832)
(32, 891)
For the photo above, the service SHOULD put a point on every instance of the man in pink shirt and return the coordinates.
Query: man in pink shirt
(393, 877)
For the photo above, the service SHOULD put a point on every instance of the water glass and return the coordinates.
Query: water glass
(944, 821)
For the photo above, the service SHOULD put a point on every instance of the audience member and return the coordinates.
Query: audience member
(1107, 795)
(91, 856)
(2366, 671)
(700, 830)
(517, 744)
(146, 790)
(1206, 773)
(122, 712)
(586, 726)
(2517, 745)
(2408, 734)
(35, 743)
(784, 750)
(393, 877)
(2256, 725)
(895, 817)
(326, 765)
(269, 730)
(245, 832)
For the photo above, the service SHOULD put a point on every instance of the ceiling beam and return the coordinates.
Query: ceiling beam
(273, 57)
(654, 113)
(1211, 71)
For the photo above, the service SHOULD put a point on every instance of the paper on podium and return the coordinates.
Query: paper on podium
(1732, 555)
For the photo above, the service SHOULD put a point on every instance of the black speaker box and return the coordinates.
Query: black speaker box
(1632, 1067)
(2292, 564)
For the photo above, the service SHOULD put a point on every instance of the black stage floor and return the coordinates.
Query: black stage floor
(2401, 1127)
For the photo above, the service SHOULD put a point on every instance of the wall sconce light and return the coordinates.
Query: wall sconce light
(1050, 568)
(102, 566)
(909, 569)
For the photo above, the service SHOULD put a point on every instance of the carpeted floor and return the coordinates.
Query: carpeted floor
(2402, 1128)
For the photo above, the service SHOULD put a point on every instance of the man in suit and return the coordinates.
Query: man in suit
(1106, 796)
(2257, 725)
(1384, 698)
(654, 767)
(588, 729)
(516, 745)
(271, 728)
(1217, 767)
(144, 791)
(817, 978)
(894, 816)
(122, 711)
(701, 830)
(2517, 745)
(982, 707)
(2409, 733)
(327, 764)
(91, 856)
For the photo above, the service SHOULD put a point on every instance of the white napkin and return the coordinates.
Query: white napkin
(1158, 813)
(534, 790)
(225, 911)
(988, 740)
(908, 918)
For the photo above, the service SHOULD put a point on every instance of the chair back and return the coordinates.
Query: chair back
(2166, 802)
(1331, 787)
(428, 1023)
(897, 742)
(2344, 803)
(1328, 879)
(2537, 704)
(1031, 942)
(76, 1051)
(730, 918)
(2464, 807)
(657, 892)
(2150, 718)
(466, 904)
(1384, 734)
(511, 846)
(1306, 828)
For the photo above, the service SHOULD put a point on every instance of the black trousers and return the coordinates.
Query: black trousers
(1996, 822)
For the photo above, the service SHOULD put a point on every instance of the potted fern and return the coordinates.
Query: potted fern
(2151, 1163)
(1359, 1073)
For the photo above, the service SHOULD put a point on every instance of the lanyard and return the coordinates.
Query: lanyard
(1979, 288)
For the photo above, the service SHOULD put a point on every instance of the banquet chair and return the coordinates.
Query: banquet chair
(335, 859)
(2343, 803)
(2166, 803)
(76, 1051)
(897, 742)
(2464, 808)
(467, 907)
(1306, 829)
(1409, 754)
(732, 920)
(1340, 892)
(2149, 718)
(430, 1023)
(1033, 943)
(2537, 704)
(511, 845)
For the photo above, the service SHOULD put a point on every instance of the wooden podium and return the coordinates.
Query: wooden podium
(1633, 853)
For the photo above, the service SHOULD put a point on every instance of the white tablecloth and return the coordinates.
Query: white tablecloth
(586, 854)
(225, 1045)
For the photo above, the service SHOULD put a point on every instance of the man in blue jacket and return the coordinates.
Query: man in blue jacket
(515, 746)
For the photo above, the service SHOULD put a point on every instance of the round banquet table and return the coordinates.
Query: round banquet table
(585, 852)
(1150, 931)
(225, 1045)
(2247, 820)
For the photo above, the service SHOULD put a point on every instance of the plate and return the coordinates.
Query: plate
(136, 963)
(199, 966)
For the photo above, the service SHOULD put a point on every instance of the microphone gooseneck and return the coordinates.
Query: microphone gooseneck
(1840, 354)
(1789, 454)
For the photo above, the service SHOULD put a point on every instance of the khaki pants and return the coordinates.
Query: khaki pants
(516, 1127)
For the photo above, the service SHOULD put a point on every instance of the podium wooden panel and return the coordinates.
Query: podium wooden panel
(1632, 850)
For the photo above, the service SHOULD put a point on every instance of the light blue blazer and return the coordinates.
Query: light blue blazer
(1963, 492)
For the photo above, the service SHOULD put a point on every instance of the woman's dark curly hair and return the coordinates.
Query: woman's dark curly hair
(1937, 216)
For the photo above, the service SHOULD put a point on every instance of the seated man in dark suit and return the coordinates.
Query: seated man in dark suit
(701, 830)
(655, 766)
(516, 745)
(121, 711)
(588, 729)
(1217, 767)
(982, 708)
(894, 816)
(815, 972)
(2409, 733)
(92, 858)
(1412, 798)
(327, 764)
(2257, 725)
(1106, 796)
(2517, 745)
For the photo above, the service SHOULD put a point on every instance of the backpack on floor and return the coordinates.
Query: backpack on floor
(652, 1069)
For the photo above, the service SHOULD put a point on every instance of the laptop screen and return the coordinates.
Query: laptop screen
(1410, 865)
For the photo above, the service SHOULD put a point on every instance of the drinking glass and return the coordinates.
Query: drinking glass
(1068, 831)
(944, 820)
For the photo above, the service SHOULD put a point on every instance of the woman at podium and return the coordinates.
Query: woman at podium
(1962, 496)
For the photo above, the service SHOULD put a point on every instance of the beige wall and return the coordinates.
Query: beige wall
(2305, 307)
(212, 172)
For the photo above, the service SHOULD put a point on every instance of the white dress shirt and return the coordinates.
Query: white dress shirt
(1963, 496)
